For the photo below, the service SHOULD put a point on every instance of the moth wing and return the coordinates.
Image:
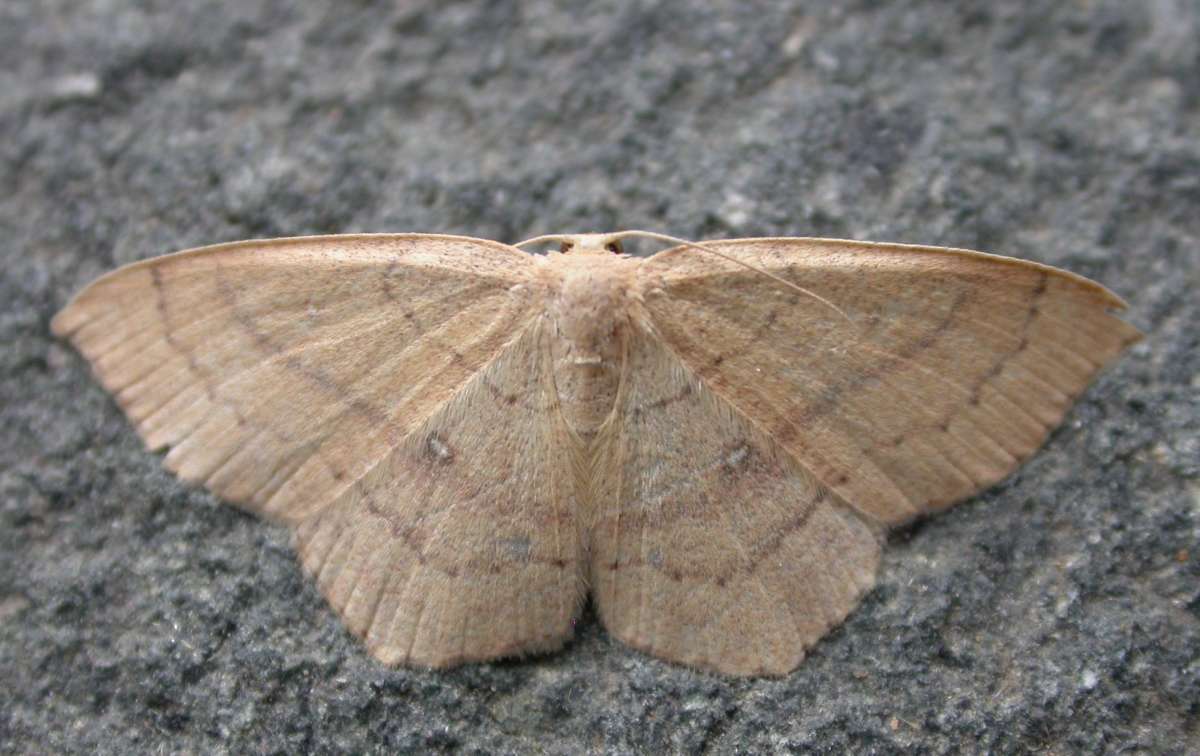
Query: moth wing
(279, 372)
(462, 544)
(710, 545)
(943, 370)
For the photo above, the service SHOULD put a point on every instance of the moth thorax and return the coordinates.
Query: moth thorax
(591, 316)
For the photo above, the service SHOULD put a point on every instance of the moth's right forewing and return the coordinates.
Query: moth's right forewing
(280, 371)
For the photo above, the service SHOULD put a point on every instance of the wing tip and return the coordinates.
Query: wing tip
(67, 321)
(391, 655)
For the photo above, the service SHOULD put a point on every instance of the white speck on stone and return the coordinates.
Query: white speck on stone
(736, 209)
(78, 86)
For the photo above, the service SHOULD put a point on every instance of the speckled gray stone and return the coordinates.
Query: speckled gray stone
(1057, 612)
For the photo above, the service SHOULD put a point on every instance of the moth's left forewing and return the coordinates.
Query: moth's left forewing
(943, 370)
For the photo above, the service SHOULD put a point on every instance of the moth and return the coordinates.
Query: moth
(468, 440)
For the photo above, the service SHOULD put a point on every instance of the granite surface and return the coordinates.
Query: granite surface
(1058, 612)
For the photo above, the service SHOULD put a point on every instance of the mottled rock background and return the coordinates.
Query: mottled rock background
(1058, 612)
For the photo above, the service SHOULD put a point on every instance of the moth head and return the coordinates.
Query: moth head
(582, 244)
(591, 244)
